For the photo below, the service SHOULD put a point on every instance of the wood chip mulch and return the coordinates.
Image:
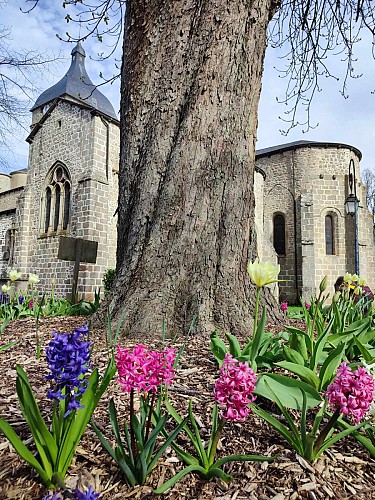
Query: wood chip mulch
(345, 471)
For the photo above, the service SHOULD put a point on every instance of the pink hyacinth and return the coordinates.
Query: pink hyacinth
(144, 370)
(352, 392)
(307, 305)
(284, 306)
(234, 389)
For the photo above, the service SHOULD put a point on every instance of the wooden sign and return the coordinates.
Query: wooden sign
(77, 250)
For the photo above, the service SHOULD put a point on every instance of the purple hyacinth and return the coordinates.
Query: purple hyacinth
(4, 298)
(68, 357)
(76, 494)
(89, 495)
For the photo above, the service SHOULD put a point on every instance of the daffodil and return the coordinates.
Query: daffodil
(362, 282)
(33, 279)
(14, 275)
(355, 278)
(348, 278)
(263, 273)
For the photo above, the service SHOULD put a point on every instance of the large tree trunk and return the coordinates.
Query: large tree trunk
(191, 80)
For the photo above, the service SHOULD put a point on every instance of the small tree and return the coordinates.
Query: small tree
(368, 179)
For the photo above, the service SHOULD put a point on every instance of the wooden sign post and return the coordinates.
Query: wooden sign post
(77, 250)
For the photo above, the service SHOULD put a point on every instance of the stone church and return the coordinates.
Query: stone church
(69, 190)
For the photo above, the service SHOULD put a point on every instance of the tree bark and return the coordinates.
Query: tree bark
(191, 80)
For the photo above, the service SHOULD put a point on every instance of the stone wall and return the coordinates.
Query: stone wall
(306, 183)
(87, 145)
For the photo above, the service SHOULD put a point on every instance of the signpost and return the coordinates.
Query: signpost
(77, 250)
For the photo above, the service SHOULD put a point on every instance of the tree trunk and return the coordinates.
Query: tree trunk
(191, 80)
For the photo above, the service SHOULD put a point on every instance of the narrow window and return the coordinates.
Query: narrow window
(66, 205)
(330, 240)
(7, 246)
(48, 209)
(57, 207)
(279, 234)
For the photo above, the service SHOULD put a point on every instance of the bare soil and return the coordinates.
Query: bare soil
(345, 471)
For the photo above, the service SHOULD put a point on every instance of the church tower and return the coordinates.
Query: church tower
(72, 182)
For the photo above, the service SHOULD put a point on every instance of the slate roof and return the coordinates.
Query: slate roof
(304, 144)
(77, 84)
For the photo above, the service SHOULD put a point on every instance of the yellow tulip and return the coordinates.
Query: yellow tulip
(263, 273)
(33, 279)
(14, 275)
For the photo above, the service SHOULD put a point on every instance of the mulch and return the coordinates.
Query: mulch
(344, 471)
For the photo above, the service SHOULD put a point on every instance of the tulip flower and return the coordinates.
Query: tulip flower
(263, 273)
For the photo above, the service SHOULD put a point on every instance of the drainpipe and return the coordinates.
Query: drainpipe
(295, 230)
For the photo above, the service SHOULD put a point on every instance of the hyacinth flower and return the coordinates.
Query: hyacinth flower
(75, 494)
(233, 394)
(284, 306)
(350, 394)
(147, 374)
(68, 358)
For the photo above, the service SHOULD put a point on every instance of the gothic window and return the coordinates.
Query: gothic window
(330, 235)
(56, 201)
(279, 234)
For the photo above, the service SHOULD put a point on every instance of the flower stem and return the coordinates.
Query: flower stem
(215, 442)
(326, 429)
(132, 435)
(151, 409)
(256, 311)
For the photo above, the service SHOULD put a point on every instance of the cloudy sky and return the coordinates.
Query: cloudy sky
(349, 121)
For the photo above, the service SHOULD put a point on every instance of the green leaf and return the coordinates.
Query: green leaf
(281, 428)
(198, 443)
(366, 353)
(330, 366)
(299, 341)
(303, 372)
(241, 458)
(234, 345)
(318, 350)
(215, 413)
(72, 435)
(43, 439)
(367, 443)
(24, 452)
(288, 390)
(218, 348)
(168, 441)
(258, 338)
(114, 422)
(293, 356)
(337, 437)
(168, 484)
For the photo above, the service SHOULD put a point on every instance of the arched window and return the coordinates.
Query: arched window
(56, 201)
(279, 234)
(330, 235)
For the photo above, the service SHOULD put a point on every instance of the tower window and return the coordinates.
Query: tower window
(56, 201)
(279, 234)
(330, 235)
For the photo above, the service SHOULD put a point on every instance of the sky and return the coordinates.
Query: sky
(349, 121)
